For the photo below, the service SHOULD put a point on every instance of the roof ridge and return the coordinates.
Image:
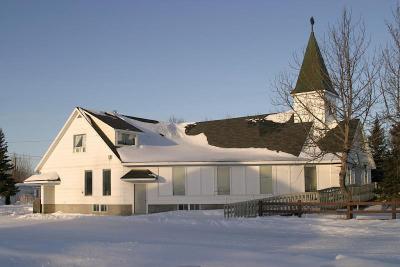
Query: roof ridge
(241, 117)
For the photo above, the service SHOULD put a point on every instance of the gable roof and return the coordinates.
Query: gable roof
(113, 121)
(333, 140)
(77, 111)
(313, 75)
(253, 132)
(102, 135)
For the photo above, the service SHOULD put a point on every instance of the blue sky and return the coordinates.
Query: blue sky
(191, 59)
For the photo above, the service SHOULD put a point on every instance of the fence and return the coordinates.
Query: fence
(329, 200)
(345, 208)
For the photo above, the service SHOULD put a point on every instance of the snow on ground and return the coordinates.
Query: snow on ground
(194, 238)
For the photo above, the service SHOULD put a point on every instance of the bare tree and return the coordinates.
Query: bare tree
(22, 167)
(390, 75)
(337, 97)
(173, 119)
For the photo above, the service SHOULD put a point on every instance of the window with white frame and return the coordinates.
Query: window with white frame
(223, 180)
(80, 143)
(106, 182)
(95, 208)
(366, 172)
(178, 181)
(126, 139)
(266, 179)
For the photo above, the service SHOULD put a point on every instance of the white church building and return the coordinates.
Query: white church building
(109, 163)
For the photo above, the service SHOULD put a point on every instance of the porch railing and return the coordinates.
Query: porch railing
(333, 196)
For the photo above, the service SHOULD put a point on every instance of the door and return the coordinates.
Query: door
(140, 199)
(310, 178)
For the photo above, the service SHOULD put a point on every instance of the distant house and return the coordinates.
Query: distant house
(109, 163)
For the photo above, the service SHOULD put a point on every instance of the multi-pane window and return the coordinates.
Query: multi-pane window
(106, 182)
(80, 143)
(103, 208)
(96, 208)
(88, 183)
(266, 179)
(223, 180)
(126, 139)
(178, 181)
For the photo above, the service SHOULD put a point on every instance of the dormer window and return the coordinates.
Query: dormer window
(126, 139)
(80, 143)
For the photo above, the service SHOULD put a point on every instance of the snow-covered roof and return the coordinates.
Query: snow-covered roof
(43, 178)
(172, 142)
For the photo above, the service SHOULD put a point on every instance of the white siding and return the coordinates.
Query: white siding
(193, 181)
(283, 179)
(323, 176)
(165, 181)
(335, 170)
(71, 167)
(238, 180)
(252, 180)
(207, 180)
(297, 178)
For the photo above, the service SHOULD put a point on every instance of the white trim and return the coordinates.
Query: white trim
(127, 132)
(57, 139)
(230, 163)
(35, 183)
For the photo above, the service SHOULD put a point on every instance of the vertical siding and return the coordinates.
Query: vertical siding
(323, 176)
(207, 180)
(238, 181)
(283, 179)
(193, 181)
(335, 170)
(297, 178)
(252, 180)
(165, 181)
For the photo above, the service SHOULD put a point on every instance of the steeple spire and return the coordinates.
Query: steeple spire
(313, 74)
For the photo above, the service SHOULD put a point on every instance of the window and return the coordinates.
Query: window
(178, 181)
(266, 180)
(106, 182)
(366, 180)
(103, 208)
(80, 143)
(95, 208)
(183, 207)
(99, 208)
(310, 178)
(223, 181)
(349, 180)
(126, 139)
(88, 183)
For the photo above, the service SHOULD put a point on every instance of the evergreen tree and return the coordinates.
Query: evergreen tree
(391, 183)
(7, 183)
(377, 143)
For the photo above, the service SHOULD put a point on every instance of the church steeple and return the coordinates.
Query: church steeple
(313, 74)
